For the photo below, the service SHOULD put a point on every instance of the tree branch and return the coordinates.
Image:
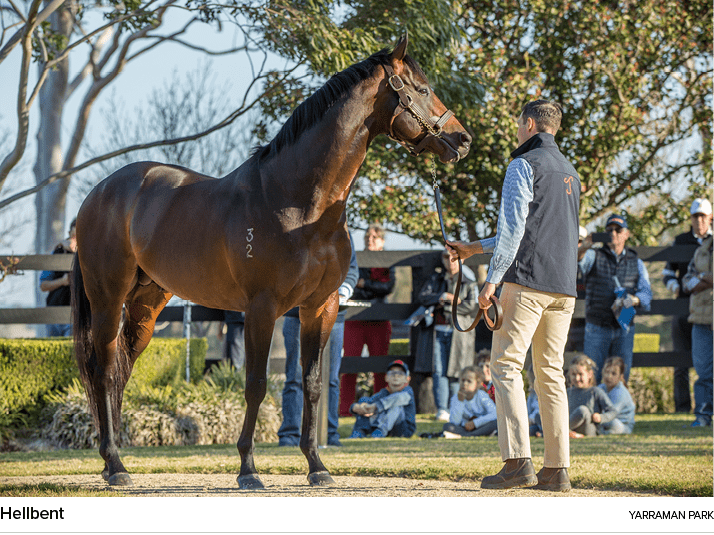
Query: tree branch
(65, 173)
(36, 21)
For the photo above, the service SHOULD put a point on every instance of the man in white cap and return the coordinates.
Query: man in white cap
(698, 282)
(701, 221)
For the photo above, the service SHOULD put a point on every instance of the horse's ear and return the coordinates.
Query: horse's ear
(400, 51)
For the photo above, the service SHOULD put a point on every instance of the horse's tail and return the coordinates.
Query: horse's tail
(82, 329)
(86, 354)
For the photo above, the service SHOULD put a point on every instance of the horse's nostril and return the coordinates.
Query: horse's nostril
(465, 138)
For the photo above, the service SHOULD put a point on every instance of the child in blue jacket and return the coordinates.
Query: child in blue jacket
(390, 412)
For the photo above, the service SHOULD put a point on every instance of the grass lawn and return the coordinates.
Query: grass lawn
(662, 455)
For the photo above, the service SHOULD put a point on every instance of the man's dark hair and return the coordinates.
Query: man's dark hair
(546, 114)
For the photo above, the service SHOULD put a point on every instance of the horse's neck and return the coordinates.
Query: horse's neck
(326, 158)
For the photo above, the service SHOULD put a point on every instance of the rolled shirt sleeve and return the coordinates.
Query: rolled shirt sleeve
(516, 196)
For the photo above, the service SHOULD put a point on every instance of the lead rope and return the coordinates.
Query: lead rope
(492, 325)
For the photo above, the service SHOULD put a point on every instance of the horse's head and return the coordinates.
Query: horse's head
(427, 125)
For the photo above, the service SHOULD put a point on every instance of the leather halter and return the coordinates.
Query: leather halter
(434, 129)
(406, 103)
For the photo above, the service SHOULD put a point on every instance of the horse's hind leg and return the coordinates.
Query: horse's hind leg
(259, 325)
(315, 328)
(108, 377)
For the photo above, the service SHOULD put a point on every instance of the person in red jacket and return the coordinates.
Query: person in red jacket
(374, 285)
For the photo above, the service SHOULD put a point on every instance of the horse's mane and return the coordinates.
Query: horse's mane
(313, 109)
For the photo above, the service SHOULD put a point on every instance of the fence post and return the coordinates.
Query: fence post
(187, 334)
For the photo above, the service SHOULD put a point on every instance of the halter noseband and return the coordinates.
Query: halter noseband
(406, 103)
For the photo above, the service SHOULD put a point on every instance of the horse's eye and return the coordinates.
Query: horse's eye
(424, 91)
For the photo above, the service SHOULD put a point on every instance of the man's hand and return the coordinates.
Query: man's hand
(586, 244)
(673, 286)
(484, 298)
(597, 418)
(630, 301)
(469, 426)
(464, 250)
(448, 298)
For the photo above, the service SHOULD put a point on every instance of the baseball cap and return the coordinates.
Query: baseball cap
(701, 206)
(401, 364)
(617, 219)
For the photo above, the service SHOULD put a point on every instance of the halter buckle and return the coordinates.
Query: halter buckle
(392, 83)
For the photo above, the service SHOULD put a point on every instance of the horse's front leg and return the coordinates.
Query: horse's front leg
(315, 328)
(259, 325)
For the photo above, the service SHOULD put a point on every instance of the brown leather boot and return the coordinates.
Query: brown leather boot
(515, 473)
(553, 479)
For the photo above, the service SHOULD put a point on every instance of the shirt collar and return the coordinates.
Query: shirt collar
(541, 139)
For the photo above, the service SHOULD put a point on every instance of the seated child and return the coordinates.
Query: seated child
(588, 405)
(472, 413)
(391, 411)
(484, 362)
(613, 383)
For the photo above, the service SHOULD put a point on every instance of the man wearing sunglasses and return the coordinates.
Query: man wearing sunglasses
(607, 271)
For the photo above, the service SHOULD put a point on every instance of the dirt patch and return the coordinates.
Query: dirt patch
(190, 485)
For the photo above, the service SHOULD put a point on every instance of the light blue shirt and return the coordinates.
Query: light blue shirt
(622, 400)
(643, 290)
(517, 194)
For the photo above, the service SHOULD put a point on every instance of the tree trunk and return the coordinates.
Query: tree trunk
(51, 201)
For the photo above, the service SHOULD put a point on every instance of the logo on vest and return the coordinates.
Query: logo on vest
(569, 181)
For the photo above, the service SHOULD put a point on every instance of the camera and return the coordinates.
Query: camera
(601, 237)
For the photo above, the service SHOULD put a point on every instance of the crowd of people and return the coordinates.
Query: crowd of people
(479, 394)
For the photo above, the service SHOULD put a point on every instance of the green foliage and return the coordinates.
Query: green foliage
(30, 369)
(163, 362)
(208, 412)
(636, 90)
(651, 390)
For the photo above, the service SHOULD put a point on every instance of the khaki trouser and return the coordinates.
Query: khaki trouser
(543, 319)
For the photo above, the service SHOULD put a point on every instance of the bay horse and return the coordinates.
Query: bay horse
(269, 236)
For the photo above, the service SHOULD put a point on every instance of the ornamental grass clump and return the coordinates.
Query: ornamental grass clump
(209, 412)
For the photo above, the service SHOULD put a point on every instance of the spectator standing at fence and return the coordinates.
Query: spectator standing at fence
(452, 350)
(292, 400)
(232, 332)
(389, 412)
(57, 282)
(698, 282)
(613, 384)
(604, 269)
(701, 221)
(534, 255)
(374, 284)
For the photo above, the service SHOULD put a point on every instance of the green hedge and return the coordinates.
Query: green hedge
(29, 369)
(32, 368)
(163, 362)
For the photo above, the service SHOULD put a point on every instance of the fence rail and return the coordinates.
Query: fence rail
(421, 264)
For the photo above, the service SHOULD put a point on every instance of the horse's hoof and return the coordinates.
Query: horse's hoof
(105, 475)
(120, 479)
(320, 479)
(250, 482)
